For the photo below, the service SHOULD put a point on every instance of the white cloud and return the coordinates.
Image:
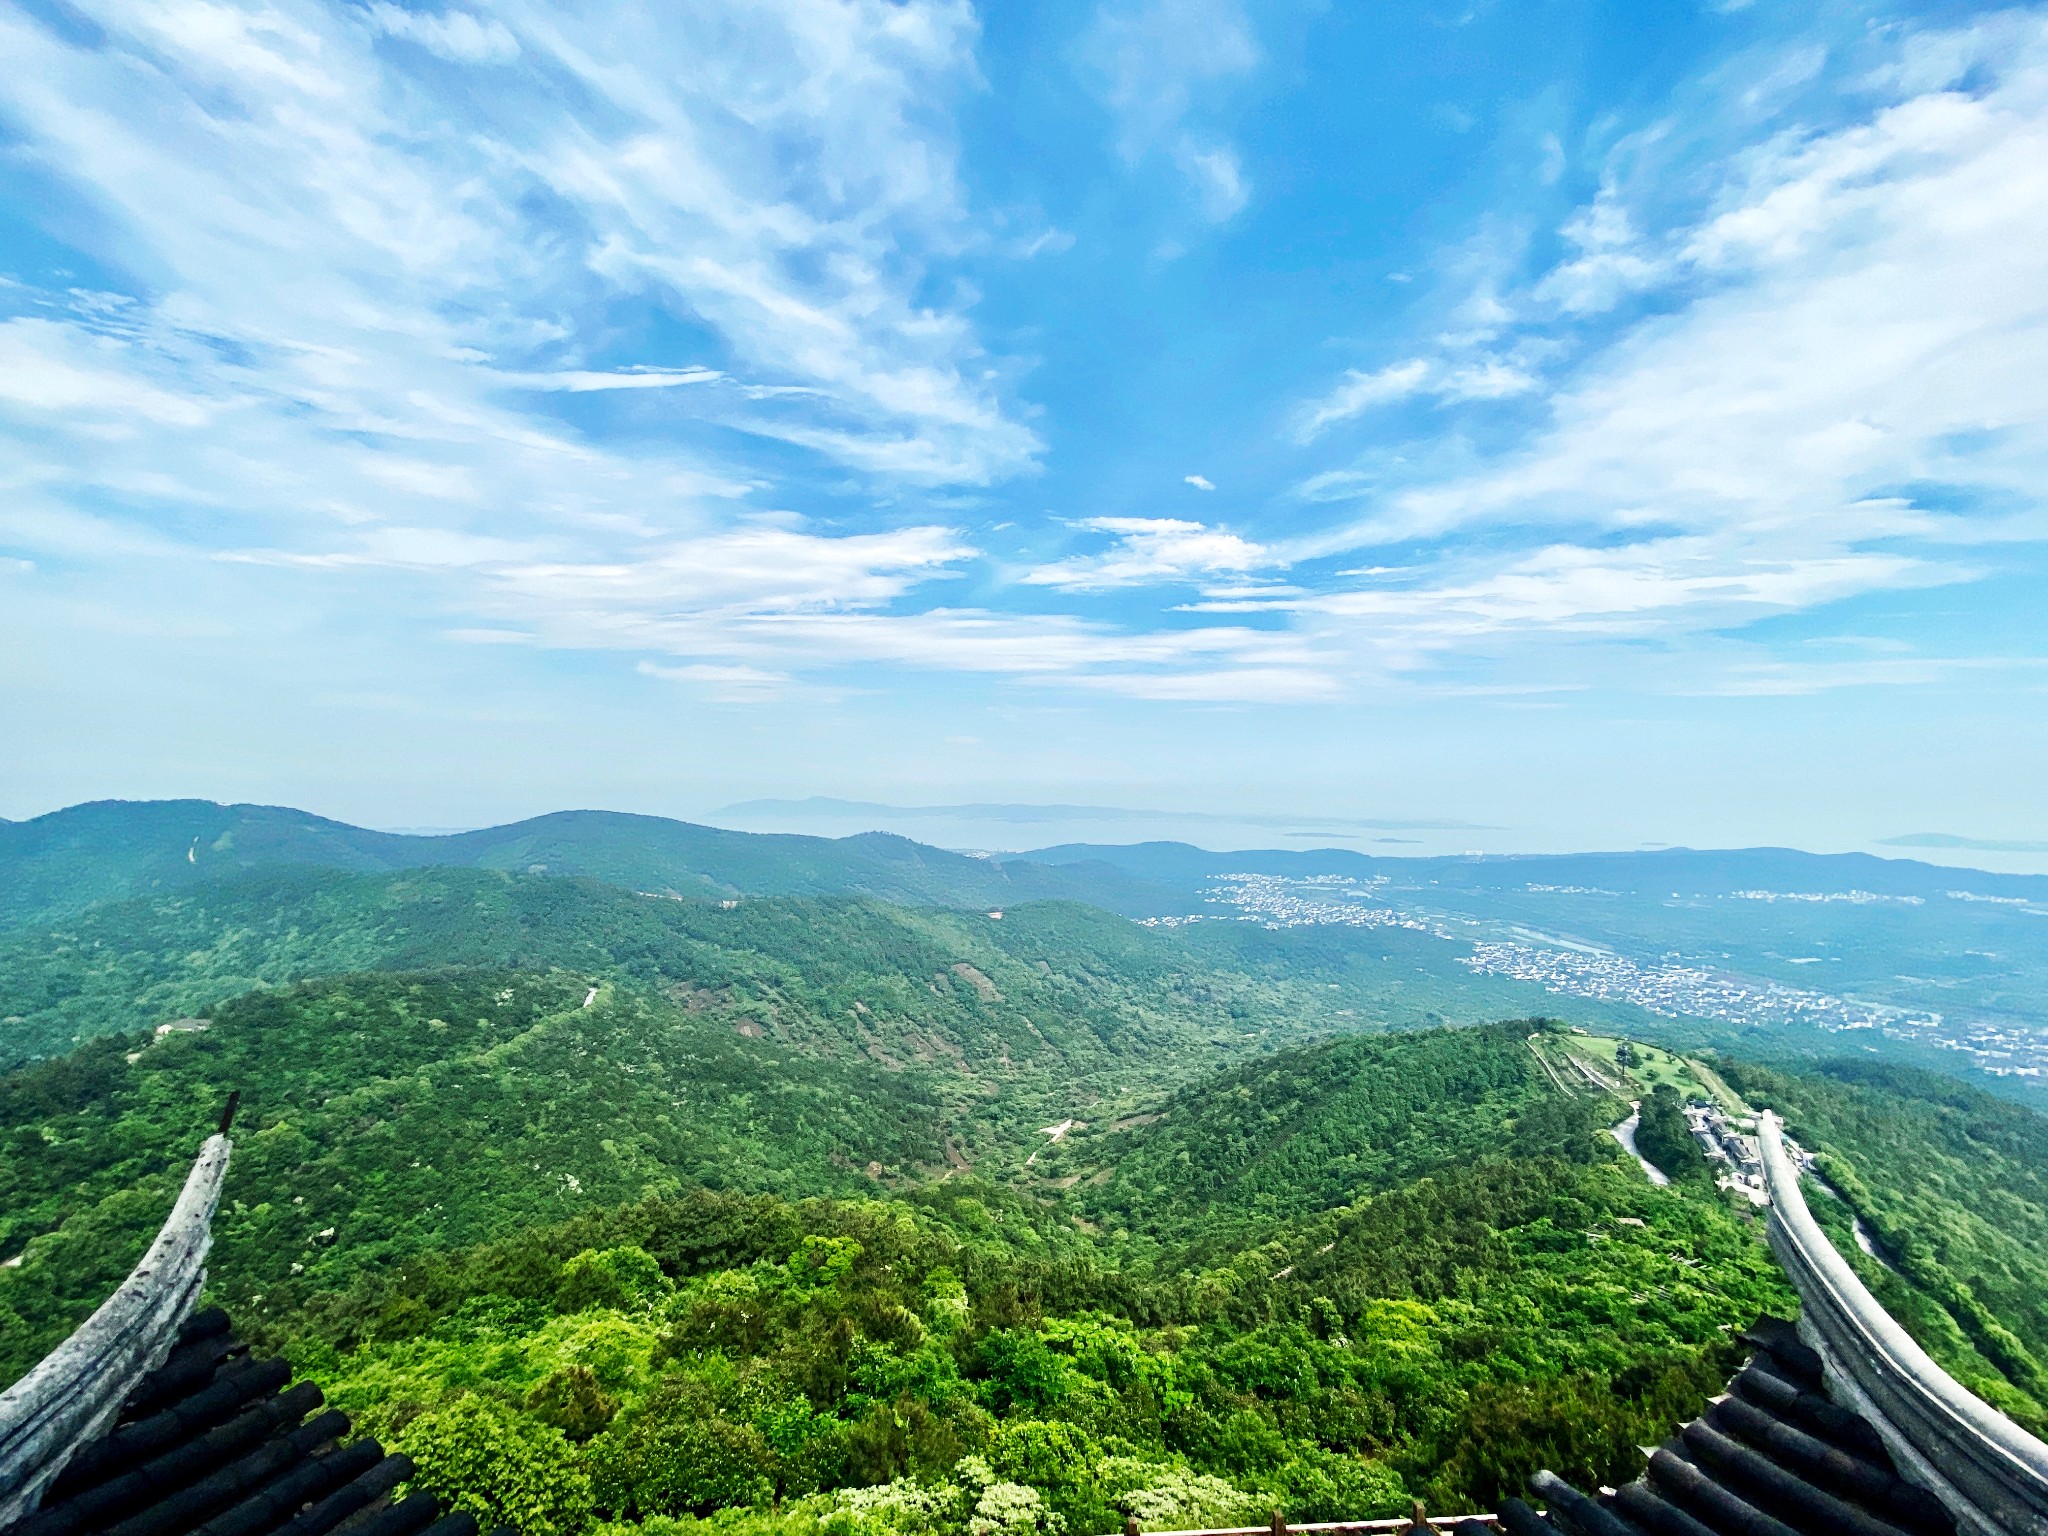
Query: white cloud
(747, 571)
(1153, 62)
(1216, 661)
(377, 323)
(315, 209)
(1634, 589)
(1360, 392)
(583, 380)
(46, 368)
(1482, 378)
(1489, 378)
(1841, 385)
(454, 35)
(744, 615)
(1150, 550)
(1613, 259)
(369, 294)
(1218, 178)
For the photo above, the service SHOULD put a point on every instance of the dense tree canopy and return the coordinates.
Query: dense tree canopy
(823, 1217)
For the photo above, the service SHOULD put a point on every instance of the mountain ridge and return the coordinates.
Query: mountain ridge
(109, 850)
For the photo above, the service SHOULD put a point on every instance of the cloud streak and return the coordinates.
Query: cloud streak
(1835, 390)
(1154, 63)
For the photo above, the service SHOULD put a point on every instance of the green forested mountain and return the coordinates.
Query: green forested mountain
(1884, 934)
(795, 1046)
(870, 1368)
(698, 1345)
(1231, 987)
(386, 1114)
(1233, 1157)
(141, 962)
(828, 1216)
(111, 850)
(790, 1045)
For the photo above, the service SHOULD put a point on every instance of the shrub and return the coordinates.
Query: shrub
(905, 1507)
(499, 1466)
(1022, 1371)
(1329, 1485)
(626, 1279)
(1172, 1498)
(1012, 1509)
(677, 1456)
(572, 1402)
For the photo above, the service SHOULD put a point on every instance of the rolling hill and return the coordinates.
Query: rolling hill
(1942, 966)
(587, 1173)
(133, 965)
(488, 1209)
(111, 850)
(1316, 1127)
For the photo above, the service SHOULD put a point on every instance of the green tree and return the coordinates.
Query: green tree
(501, 1466)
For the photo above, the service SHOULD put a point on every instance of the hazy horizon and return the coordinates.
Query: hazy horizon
(1014, 828)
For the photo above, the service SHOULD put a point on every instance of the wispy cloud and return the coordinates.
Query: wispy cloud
(368, 293)
(318, 210)
(1483, 378)
(1154, 63)
(1638, 588)
(1146, 551)
(583, 380)
(1215, 663)
(50, 371)
(1836, 388)
(457, 36)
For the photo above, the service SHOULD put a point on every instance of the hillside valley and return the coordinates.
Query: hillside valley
(1762, 948)
(800, 964)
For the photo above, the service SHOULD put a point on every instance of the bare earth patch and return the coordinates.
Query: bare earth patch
(985, 988)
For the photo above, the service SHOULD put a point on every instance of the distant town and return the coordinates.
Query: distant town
(1669, 989)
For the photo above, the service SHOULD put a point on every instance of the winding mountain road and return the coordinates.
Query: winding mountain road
(1625, 1133)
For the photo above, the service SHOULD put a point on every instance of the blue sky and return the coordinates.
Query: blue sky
(1600, 423)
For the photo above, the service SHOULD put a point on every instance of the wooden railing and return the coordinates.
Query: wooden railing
(77, 1390)
(1992, 1475)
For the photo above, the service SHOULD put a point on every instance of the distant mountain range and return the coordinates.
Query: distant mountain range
(112, 850)
(1931, 963)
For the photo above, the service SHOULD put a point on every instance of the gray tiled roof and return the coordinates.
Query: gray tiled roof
(216, 1443)
(1777, 1456)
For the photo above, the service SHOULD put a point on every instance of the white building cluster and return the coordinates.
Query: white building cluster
(1667, 988)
